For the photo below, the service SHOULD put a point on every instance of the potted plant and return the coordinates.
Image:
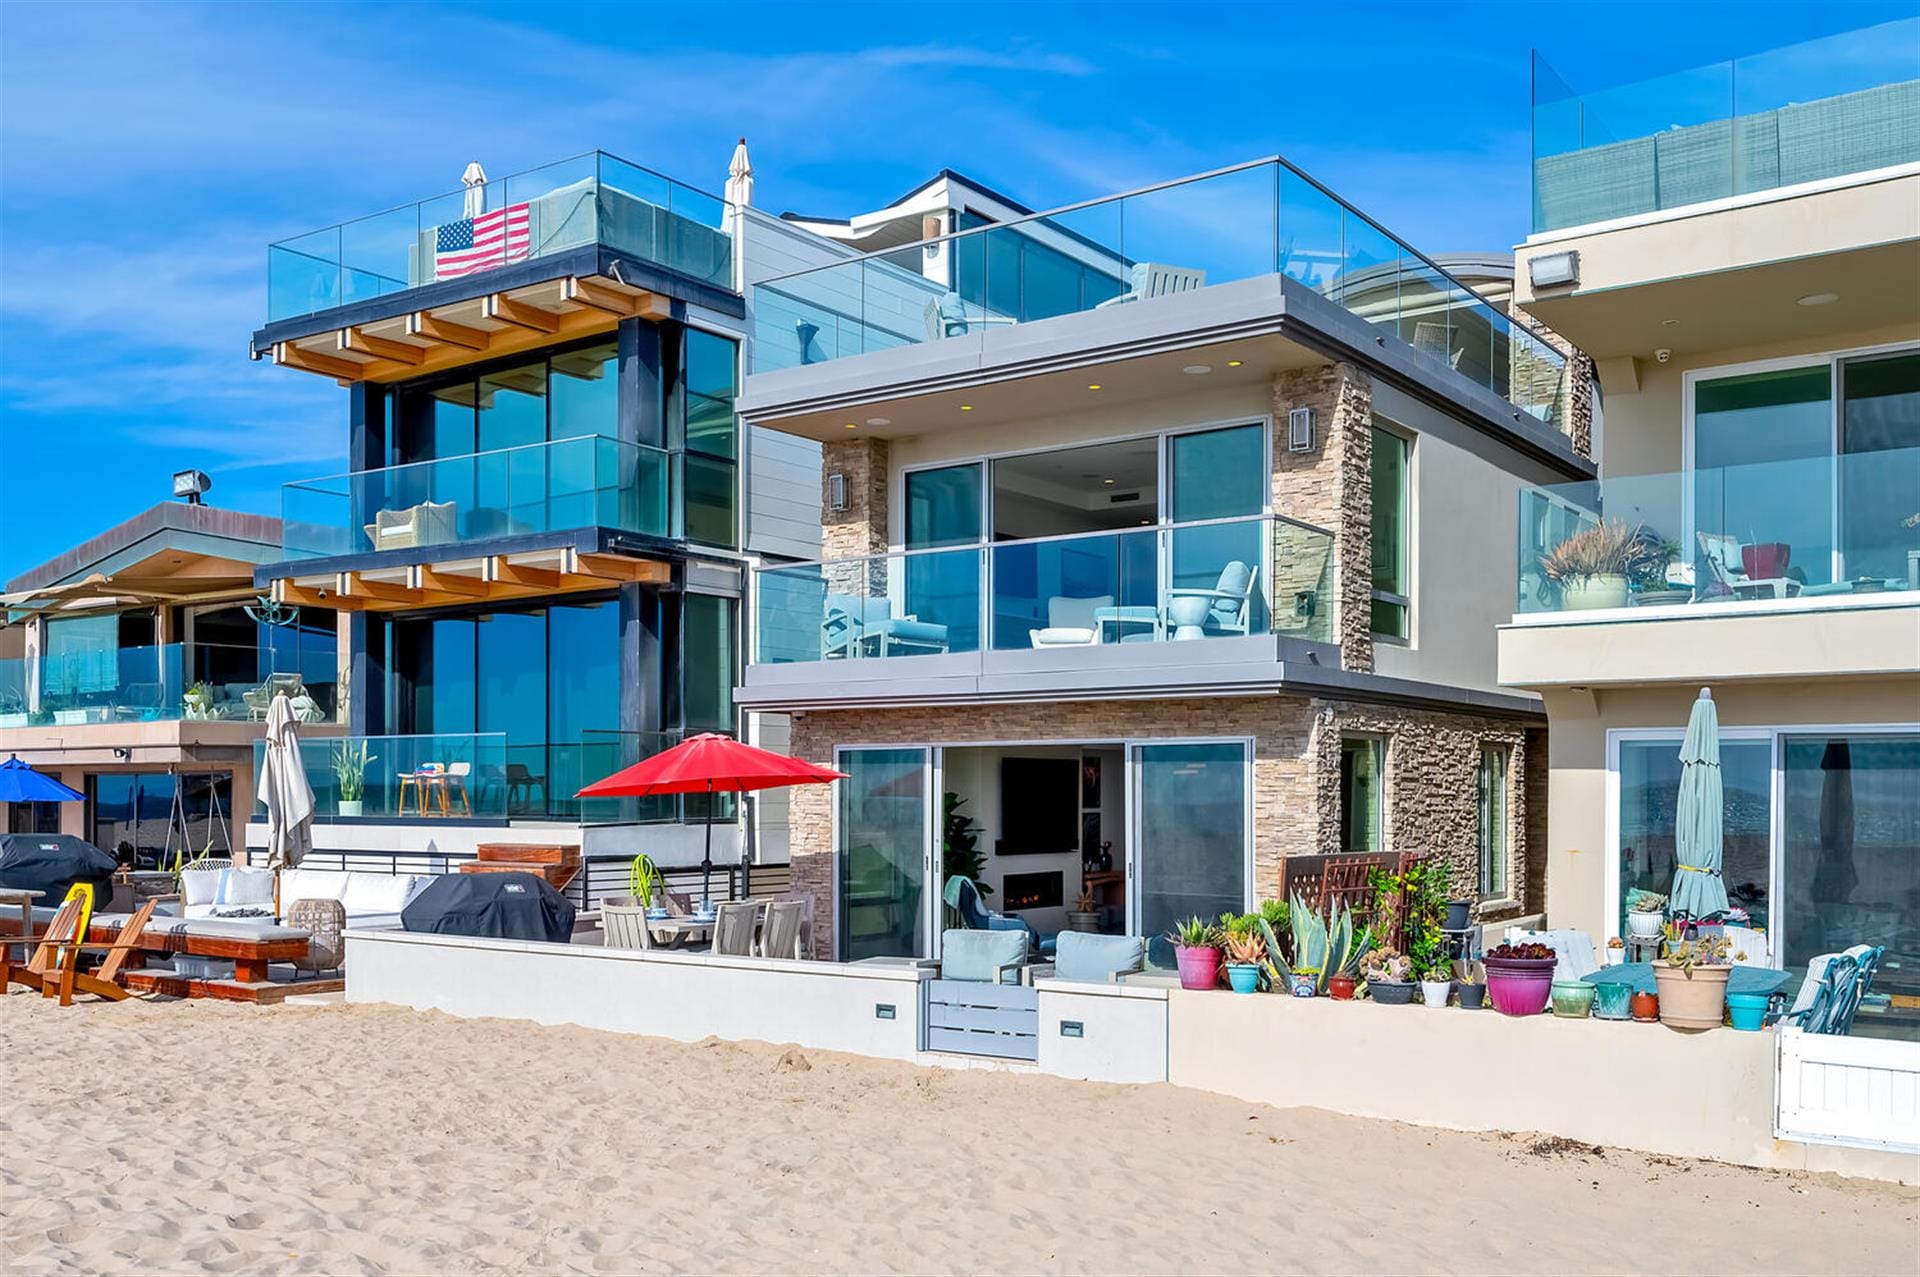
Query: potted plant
(1471, 979)
(1615, 953)
(1436, 984)
(1389, 977)
(198, 700)
(960, 854)
(350, 769)
(1520, 977)
(1459, 915)
(1691, 976)
(1591, 566)
(1321, 948)
(1245, 951)
(1196, 948)
(1644, 1007)
(1085, 914)
(1645, 918)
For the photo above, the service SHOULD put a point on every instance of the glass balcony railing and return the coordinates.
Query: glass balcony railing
(1259, 219)
(1184, 582)
(1813, 529)
(599, 754)
(589, 481)
(590, 199)
(1822, 109)
(200, 681)
(452, 775)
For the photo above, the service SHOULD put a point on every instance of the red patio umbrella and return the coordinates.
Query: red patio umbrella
(708, 764)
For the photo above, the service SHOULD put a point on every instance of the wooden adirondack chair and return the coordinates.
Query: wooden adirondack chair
(62, 930)
(66, 978)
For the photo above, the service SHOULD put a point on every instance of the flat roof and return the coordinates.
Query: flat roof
(203, 530)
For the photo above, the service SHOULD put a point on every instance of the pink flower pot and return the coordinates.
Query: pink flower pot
(1199, 967)
(1519, 986)
(1766, 561)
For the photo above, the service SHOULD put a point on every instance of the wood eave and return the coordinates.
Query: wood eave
(491, 578)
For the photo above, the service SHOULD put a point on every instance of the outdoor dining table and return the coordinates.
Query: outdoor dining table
(677, 932)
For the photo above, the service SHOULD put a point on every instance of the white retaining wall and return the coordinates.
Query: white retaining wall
(1103, 1032)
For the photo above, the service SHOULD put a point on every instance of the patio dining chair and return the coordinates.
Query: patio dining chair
(1832, 992)
(623, 922)
(1224, 609)
(780, 933)
(733, 928)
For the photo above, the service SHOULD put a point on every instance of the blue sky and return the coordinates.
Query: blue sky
(149, 153)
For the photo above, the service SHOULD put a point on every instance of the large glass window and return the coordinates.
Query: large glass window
(1362, 797)
(709, 651)
(567, 393)
(1496, 763)
(883, 838)
(1392, 583)
(1011, 273)
(1850, 860)
(133, 816)
(1649, 798)
(583, 392)
(1192, 855)
(1757, 443)
(1880, 490)
(701, 405)
(943, 507)
(1217, 474)
(583, 696)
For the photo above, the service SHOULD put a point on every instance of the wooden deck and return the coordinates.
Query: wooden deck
(260, 992)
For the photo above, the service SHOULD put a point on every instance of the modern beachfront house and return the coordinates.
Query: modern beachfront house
(1738, 248)
(538, 545)
(137, 667)
(1163, 540)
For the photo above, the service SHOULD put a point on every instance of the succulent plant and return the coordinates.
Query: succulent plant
(1531, 950)
(1195, 934)
(1387, 966)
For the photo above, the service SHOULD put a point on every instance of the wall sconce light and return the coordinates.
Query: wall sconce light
(1300, 430)
(836, 492)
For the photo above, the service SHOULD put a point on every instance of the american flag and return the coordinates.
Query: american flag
(480, 243)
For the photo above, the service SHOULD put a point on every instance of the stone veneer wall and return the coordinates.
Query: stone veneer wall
(861, 528)
(1331, 487)
(1432, 803)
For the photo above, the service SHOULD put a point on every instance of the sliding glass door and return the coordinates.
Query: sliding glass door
(883, 842)
(1191, 853)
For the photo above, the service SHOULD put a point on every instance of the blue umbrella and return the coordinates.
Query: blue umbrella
(19, 783)
(1698, 889)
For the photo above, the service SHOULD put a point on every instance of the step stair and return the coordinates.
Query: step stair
(558, 863)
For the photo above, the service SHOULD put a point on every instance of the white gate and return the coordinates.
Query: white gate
(1863, 1092)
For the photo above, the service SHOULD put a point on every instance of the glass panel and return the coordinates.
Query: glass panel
(133, 817)
(710, 371)
(1066, 490)
(1494, 765)
(513, 407)
(583, 690)
(511, 687)
(1361, 783)
(1880, 475)
(708, 486)
(943, 507)
(1311, 247)
(1192, 858)
(469, 770)
(1370, 278)
(1649, 794)
(884, 819)
(1215, 587)
(584, 392)
(1390, 530)
(1850, 868)
(1746, 432)
(1075, 591)
(710, 655)
(1217, 474)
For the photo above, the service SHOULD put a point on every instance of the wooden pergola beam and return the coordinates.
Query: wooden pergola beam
(613, 567)
(356, 586)
(285, 591)
(362, 342)
(434, 580)
(587, 292)
(500, 569)
(508, 311)
(425, 324)
(291, 356)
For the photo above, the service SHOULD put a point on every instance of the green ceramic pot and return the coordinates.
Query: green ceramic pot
(1612, 1000)
(1572, 999)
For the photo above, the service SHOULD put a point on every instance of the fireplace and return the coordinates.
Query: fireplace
(1033, 890)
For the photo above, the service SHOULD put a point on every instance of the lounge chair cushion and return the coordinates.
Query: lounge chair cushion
(199, 886)
(1091, 958)
(979, 955)
(241, 886)
(373, 893)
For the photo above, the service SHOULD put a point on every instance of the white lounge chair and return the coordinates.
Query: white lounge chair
(1725, 562)
(1192, 612)
(1156, 279)
(1072, 622)
(429, 523)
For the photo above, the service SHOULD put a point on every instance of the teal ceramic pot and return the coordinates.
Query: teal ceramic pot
(1243, 976)
(1612, 1000)
(1572, 999)
(1748, 1011)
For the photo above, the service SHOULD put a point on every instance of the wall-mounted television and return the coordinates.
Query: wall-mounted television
(1039, 806)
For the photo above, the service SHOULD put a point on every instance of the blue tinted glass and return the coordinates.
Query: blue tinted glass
(943, 507)
(584, 393)
(1218, 474)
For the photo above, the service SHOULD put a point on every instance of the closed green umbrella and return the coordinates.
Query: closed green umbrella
(1697, 886)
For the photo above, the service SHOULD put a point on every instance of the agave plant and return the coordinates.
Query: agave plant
(1195, 934)
(1322, 946)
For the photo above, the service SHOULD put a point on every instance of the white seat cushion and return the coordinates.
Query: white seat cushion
(241, 886)
(199, 887)
(1063, 636)
(377, 893)
(312, 884)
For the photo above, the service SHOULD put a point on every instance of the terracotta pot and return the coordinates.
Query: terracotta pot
(1199, 966)
(1340, 987)
(1691, 1000)
(1645, 1008)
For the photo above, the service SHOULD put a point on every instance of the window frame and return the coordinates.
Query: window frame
(1403, 601)
(1380, 743)
(1489, 831)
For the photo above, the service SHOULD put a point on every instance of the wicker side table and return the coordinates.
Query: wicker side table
(323, 921)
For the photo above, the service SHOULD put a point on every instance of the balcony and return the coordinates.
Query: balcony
(1131, 255)
(1832, 531)
(590, 200)
(585, 482)
(1809, 112)
(205, 682)
(1203, 602)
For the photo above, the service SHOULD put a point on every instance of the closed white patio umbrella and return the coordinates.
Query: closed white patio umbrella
(1698, 888)
(284, 788)
(475, 180)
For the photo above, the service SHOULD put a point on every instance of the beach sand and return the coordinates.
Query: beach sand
(195, 1136)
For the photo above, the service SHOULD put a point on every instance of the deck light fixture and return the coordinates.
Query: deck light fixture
(191, 485)
(1553, 270)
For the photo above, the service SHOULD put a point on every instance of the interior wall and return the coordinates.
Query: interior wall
(974, 773)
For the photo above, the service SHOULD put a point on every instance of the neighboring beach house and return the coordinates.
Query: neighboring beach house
(1167, 532)
(539, 546)
(1738, 248)
(137, 668)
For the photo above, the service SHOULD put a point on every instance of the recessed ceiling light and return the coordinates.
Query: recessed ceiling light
(1235, 363)
(1093, 385)
(1819, 299)
(1106, 481)
(1668, 323)
(879, 421)
(853, 425)
(966, 407)
(1197, 370)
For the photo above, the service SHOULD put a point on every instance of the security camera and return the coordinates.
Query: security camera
(1663, 354)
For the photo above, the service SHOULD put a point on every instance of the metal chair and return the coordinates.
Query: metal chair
(780, 933)
(733, 928)
(1835, 985)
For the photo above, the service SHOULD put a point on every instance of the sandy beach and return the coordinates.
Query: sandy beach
(177, 1137)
